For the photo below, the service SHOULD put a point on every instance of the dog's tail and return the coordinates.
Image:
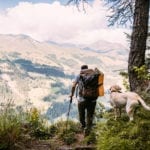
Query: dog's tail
(143, 104)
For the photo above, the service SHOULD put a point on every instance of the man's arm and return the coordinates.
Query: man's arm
(73, 89)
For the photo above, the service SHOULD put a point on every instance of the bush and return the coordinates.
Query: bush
(10, 127)
(37, 124)
(17, 127)
(68, 137)
(66, 131)
(122, 134)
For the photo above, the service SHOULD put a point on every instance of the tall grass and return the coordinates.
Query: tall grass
(17, 127)
(122, 134)
(66, 134)
(10, 126)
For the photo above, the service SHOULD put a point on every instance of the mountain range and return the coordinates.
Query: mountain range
(40, 74)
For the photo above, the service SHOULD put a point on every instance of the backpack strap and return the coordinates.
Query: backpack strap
(77, 91)
(79, 87)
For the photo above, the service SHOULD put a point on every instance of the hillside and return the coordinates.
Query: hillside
(40, 74)
(28, 130)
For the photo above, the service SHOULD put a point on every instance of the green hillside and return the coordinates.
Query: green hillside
(28, 129)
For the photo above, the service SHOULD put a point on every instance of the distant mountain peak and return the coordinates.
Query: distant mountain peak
(41, 73)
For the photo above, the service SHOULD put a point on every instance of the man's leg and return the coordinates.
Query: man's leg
(90, 114)
(81, 110)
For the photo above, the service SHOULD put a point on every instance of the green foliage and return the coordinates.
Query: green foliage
(64, 132)
(99, 111)
(17, 126)
(10, 128)
(91, 138)
(142, 72)
(67, 131)
(122, 134)
(37, 124)
(68, 137)
(125, 79)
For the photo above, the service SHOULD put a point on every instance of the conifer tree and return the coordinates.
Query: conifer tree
(122, 12)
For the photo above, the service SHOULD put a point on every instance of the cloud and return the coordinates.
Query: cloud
(59, 23)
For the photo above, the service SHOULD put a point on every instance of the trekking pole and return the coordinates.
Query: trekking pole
(68, 112)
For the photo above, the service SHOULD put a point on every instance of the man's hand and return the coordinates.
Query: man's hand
(71, 96)
(72, 91)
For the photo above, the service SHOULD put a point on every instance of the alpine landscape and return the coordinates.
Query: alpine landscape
(44, 45)
(40, 74)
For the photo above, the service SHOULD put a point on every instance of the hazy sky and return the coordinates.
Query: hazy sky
(11, 3)
(50, 20)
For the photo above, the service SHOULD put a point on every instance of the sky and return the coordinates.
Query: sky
(51, 20)
(11, 3)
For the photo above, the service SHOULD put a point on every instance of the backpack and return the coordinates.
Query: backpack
(88, 84)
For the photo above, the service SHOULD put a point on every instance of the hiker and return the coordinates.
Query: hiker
(86, 106)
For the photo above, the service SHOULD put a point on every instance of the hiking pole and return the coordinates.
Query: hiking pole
(68, 112)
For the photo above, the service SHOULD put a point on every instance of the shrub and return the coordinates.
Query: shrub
(10, 127)
(122, 134)
(37, 124)
(66, 131)
(17, 126)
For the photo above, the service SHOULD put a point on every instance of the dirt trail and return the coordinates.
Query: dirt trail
(53, 144)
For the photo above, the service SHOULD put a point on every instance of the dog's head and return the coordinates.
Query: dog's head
(115, 88)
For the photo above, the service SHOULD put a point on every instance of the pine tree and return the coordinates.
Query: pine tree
(122, 12)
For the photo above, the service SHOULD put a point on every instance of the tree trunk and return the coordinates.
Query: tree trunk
(138, 42)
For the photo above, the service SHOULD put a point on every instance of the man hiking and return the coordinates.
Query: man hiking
(86, 103)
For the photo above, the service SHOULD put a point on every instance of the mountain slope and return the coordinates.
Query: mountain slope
(40, 74)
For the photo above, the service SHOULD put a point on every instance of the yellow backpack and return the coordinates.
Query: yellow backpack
(100, 82)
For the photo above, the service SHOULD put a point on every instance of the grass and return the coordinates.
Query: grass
(10, 127)
(19, 128)
(122, 134)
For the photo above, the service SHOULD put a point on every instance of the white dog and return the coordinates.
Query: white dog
(129, 100)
